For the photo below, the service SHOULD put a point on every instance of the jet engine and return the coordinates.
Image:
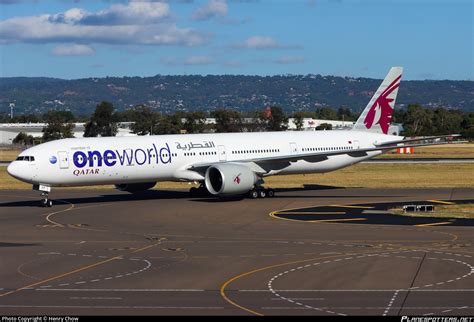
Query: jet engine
(135, 187)
(229, 179)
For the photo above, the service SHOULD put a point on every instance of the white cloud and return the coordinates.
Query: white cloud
(10, 1)
(199, 60)
(214, 8)
(289, 59)
(134, 13)
(73, 50)
(135, 23)
(258, 42)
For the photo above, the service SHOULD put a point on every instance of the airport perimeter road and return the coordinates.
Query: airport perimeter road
(108, 252)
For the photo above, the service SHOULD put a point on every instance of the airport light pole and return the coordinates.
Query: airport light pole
(12, 106)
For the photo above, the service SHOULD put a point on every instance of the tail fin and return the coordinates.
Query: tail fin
(377, 115)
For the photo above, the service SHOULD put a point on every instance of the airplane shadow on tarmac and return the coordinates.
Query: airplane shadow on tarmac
(146, 195)
(168, 194)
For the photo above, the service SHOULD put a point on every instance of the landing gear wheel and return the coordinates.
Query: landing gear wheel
(270, 193)
(193, 191)
(262, 193)
(253, 194)
(46, 203)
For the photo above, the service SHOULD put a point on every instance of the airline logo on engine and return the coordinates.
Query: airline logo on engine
(237, 179)
(123, 157)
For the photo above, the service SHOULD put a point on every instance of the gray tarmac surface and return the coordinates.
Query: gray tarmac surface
(108, 252)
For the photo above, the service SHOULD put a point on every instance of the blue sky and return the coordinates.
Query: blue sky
(432, 39)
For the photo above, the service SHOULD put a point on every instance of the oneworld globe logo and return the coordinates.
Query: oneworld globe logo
(53, 159)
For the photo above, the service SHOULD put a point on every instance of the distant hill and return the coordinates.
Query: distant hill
(188, 93)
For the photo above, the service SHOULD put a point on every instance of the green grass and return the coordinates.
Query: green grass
(464, 150)
(385, 176)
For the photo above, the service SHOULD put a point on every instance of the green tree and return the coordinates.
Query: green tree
(324, 126)
(275, 120)
(467, 126)
(227, 120)
(102, 122)
(58, 127)
(194, 122)
(145, 120)
(446, 121)
(298, 119)
(399, 116)
(23, 139)
(26, 118)
(418, 121)
(326, 113)
(345, 114)
(169, 124)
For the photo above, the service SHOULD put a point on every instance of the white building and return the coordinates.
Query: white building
(9, 131)
(310, 124)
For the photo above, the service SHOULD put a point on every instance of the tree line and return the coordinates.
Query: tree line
(416, 119)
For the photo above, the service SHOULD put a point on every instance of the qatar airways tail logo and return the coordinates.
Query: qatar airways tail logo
(381, 111)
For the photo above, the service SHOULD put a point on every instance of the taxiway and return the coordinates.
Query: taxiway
(161, 252)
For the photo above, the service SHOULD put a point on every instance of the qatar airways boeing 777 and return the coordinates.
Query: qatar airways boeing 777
(224, 163)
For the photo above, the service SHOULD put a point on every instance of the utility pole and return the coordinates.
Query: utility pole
(12, 106)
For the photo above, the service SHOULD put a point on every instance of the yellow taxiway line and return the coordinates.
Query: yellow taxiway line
(311, 213)
(442, 202)
(80, 269)
(435, 224)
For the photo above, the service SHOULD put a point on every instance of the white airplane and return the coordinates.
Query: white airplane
(224, 163)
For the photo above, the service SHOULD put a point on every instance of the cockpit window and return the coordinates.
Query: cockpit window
(25, 158)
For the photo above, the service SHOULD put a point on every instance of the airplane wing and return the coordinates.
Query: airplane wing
(278, 162)
(421, 138)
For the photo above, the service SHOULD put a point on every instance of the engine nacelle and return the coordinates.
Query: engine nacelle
(135, 187)
(229, 179)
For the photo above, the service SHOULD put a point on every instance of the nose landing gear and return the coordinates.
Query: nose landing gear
(45, 202)
(45, 190)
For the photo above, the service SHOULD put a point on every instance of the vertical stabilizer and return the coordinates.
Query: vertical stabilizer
(377, 115)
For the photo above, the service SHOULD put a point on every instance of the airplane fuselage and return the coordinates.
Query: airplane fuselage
(118, 160)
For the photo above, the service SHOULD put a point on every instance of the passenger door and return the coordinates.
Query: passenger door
(221, 152)
(293, 148)
(63, 160)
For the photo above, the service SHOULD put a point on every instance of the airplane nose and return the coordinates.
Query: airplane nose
(14, 170)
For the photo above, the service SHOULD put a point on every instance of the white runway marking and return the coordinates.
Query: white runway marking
(384, 254)
(391, 303)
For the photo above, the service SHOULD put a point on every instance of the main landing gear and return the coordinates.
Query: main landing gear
(261, 192)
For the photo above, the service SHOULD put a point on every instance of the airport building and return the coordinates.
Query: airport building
(8, 131)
